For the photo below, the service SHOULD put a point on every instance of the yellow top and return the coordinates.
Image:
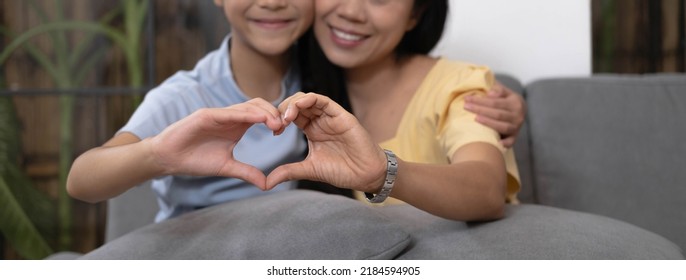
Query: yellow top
(435, 123)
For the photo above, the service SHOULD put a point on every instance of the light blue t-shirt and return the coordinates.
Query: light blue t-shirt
(210, 85)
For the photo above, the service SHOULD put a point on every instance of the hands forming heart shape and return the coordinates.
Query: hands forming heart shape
(341, 151)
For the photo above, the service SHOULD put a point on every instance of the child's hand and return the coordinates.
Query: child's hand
(202, 144)
(341, 152)
(502, 110)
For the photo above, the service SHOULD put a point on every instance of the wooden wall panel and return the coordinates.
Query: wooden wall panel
(638, 36)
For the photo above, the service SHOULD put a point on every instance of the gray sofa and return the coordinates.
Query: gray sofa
(603, 167)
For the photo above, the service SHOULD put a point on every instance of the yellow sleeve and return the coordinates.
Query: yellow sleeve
(456, 126)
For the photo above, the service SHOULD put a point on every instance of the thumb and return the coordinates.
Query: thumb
(246, 173)
(288, 172)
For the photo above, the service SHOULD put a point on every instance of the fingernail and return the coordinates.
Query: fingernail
(285, 114)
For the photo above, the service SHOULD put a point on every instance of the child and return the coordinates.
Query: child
(194, 155)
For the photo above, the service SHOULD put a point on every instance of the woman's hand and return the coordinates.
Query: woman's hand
(501, 109)
(202, 144)
(341, 152)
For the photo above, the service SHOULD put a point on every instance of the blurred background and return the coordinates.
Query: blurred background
(73, 71)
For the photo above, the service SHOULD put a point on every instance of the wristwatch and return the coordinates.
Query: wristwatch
(391, 173)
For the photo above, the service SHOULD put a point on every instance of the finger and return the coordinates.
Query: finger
(502, 127)
(266, 106)
(282, 106)
(318, 105)
(287, 103)
(487, 101)
(292, 110)
(491, 113)
(229, 116)
(299, 110)
(498, 91)
(310, 107)
(507, 99)
(287, 172)
(246, 173)
(508, 141)
(271, 116)
(261, 106)
(293, 114)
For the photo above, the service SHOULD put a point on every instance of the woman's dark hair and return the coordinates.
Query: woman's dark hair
(424, 37)
(321, 76)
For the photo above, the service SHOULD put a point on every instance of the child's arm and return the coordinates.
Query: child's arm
(199, 145)
(105, 172)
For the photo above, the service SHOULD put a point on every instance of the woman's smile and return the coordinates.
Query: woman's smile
(345, 38)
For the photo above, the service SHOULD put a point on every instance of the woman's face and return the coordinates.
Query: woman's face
(269, 27)
(354, 33)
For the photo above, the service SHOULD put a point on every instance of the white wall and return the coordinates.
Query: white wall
(529, 39)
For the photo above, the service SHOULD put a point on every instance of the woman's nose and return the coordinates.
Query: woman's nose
(352, 10)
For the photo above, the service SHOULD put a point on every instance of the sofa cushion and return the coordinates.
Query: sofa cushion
(531, 232)
(613, 145)
(287, 225)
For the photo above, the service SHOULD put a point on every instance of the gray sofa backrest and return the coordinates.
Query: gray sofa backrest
(131, 210)
(614, 146)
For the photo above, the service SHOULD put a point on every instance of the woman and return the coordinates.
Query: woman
(412, 104)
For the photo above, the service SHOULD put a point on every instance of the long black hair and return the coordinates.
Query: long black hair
(323, 77)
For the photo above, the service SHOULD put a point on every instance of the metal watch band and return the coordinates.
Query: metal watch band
(391, 172)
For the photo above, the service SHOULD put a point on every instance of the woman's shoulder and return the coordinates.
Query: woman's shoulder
(457, 69)
(450, 76)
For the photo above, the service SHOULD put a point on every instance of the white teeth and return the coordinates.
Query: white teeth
(346, 36)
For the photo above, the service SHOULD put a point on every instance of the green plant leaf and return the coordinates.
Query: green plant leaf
(111, 33)
(9, 131)
(39, 208)
(18, 229)
(25, 212)
(36, 204)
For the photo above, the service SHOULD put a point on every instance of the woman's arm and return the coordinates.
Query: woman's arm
(343, 154)
(471, 188)
(200, 145)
